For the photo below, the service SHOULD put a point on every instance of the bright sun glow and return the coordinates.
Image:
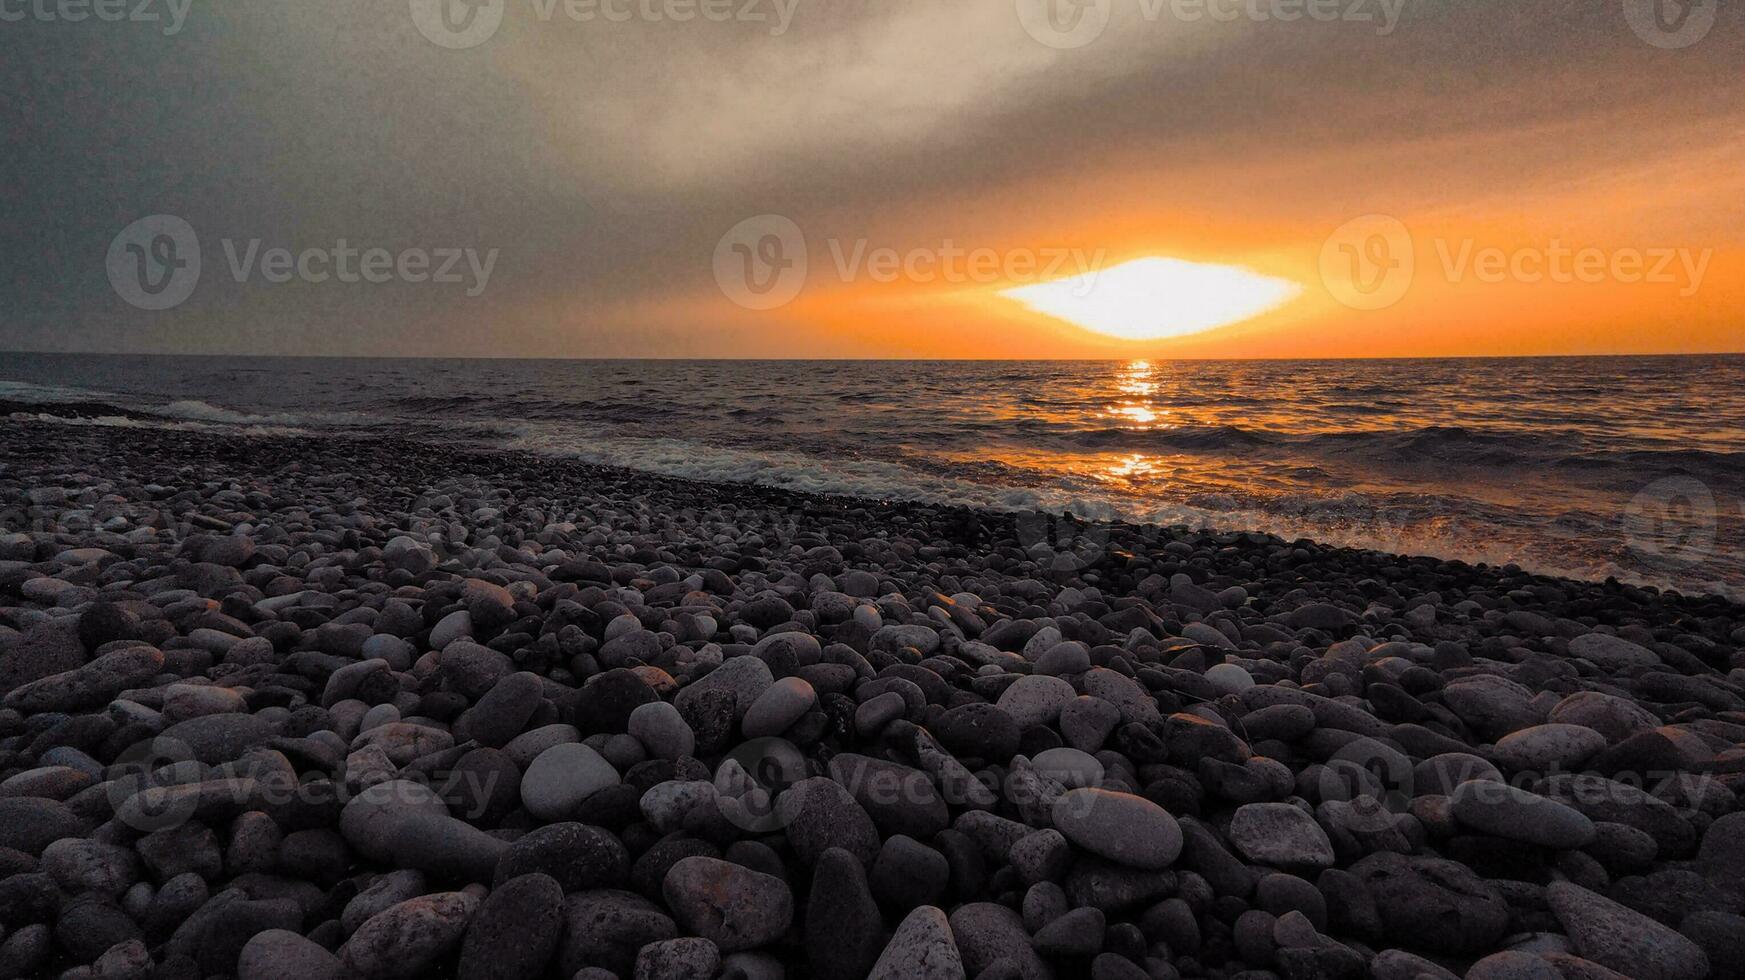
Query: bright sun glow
(1148, 299)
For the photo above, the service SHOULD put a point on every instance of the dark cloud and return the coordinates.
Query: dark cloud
(603, 160)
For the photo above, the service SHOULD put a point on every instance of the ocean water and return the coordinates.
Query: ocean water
(1631, 467)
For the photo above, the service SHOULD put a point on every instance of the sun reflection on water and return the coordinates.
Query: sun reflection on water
(1135, 379)
(1132, 467)
(1137, 383)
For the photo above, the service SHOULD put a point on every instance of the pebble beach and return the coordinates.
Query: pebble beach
(299, 707)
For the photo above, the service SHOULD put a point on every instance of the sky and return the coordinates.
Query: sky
(873, 178)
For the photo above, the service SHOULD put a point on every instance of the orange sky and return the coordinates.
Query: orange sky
(607, 163)
(1639, 252)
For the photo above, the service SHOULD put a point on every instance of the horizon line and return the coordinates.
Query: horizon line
(966, 360)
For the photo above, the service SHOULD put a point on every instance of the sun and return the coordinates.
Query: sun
(1157, 297)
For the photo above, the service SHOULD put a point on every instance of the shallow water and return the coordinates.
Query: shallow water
(1633, 467)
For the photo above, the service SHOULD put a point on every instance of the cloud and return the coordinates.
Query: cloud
(605, 159)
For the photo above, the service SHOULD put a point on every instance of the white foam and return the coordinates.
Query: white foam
(26, 391)
(200, 411)
(173, 425)
(884, 480)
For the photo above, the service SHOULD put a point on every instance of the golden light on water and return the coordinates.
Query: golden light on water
(1136, 381)
(1154, 298)
(1132, 467)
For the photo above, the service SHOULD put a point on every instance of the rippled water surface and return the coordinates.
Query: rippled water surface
(1632, 467)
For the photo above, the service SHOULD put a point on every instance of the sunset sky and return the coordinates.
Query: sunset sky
(609, 163)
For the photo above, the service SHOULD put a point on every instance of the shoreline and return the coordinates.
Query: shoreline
(90, 414)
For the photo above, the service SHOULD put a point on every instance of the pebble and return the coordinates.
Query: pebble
(662, 730)
(1035, 700)
(405, 940)
(745, 678)
(1623, 939)
(1124, 828)
(280, 954)
(678, 959)
(606, 928)
(1513, 965)
(899, 799)
(1280, 835)
(1612, 652)
(1547, 748)
(503, 713)
(778, 707)
(1432, 904)
(1613, 717)
(987, 933)
(733, 907)
(574, 855)
(908, 873)
(560, 778)
(515, 931)
(1505, 811)
(1073, 768)
(634, 721)
(922, 948)
(1230, 678)
(818, 814)
(845, 932)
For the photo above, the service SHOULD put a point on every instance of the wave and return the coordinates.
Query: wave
(30, 392)
(1441, 526)
(434, 404)
(113, 418)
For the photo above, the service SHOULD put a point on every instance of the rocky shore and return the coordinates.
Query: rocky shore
(309, 709)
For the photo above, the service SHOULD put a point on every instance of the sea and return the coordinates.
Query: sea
(1588, 467)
